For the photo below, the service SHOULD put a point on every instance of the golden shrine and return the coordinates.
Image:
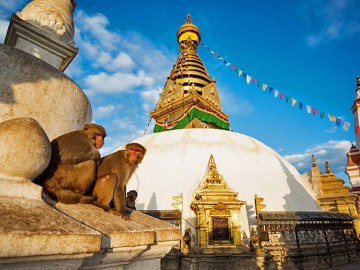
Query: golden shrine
(332, 194)
(189, 98)
(218, 213)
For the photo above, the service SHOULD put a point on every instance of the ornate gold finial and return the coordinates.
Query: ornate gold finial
(328, 170)
(211, 169)
(358, 82)
(313, 161)
(188, 18)
(188, 30)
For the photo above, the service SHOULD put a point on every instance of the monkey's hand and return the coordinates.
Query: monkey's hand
(117, 213)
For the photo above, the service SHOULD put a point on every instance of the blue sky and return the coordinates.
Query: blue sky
(308, 50)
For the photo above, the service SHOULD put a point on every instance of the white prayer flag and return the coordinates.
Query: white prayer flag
(248, 78)
(308, 109)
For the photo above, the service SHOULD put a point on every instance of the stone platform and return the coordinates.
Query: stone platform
(35, 235)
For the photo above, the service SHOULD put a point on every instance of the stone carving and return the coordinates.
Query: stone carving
(52, 16)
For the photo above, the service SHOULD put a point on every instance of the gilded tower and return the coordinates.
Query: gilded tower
(189, 98)
(353, 156)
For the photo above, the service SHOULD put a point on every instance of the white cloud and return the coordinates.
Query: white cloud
(337, 19)
(332, 151)
(150, 97)
(122, 61)
(8, 6)
(3, 29)
(95, 27)
(117, 82)
(103, 111)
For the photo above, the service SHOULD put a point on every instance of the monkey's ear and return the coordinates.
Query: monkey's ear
(86, 127)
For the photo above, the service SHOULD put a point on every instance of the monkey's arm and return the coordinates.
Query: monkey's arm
(119, 199)
(73, 148)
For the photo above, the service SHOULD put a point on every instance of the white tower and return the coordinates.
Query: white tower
(353, 164)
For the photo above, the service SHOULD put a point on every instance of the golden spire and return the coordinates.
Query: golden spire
(188, 31)
(313, 161)
(211, 169)
(358, 83)
(328, 170)
(189, 88)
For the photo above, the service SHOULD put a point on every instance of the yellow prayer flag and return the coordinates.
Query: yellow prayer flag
(332, 118)
(293, 102)
(264, 86)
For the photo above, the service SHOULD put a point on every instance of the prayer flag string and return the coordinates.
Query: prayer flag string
(309, 109)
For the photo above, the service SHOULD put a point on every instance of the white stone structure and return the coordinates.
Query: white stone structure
(37, 104)
(29, 87)
(45, 29)
(176, 161)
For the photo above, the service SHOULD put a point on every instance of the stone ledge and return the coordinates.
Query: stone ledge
(141, 229)
(34, 234)
(30, 227)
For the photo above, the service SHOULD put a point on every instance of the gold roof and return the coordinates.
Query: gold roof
(188, 28)
(188, 84)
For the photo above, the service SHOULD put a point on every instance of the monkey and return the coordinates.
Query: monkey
(73, 165)
(130, 201)
(113, 174)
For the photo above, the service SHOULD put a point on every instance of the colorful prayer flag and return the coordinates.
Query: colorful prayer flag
(322, 115)
(264, 86)
(293, 102)
(270, 90)
(301, 105)
(281, 95)
(276, 93)
(240, 72)
(248, 78)
(308, 109)
(331, 118)
(338, 122)
(346, 126)
(314, 111)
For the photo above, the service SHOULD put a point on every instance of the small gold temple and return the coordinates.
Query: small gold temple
(218, 213)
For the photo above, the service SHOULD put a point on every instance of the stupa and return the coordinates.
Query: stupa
(212, 180)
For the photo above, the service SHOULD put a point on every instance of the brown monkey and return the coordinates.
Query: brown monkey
(73, 164)
(113, 174)
(130, 201)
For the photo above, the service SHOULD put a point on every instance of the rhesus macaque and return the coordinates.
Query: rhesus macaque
(130, 201)
(73, 164)
(113, 174)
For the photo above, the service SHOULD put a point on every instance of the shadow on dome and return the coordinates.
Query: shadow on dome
(297, 191)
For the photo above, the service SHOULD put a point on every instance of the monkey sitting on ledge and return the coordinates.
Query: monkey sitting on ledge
(113, 174)
(73, 163)
(130, 201)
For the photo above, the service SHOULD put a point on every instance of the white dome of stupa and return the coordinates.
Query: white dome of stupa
(176, 161)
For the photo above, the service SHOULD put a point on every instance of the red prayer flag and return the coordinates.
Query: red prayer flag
(314, 111)
(281, 95)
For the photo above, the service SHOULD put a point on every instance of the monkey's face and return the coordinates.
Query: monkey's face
(135, 155)
(132, 196)
(99, 140)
